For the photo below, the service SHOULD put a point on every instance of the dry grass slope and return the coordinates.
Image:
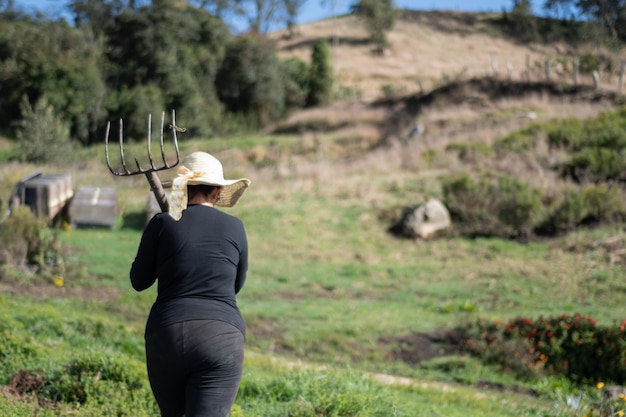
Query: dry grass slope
(446, 71)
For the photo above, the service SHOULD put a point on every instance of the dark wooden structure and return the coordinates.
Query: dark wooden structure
(94, 206)
(46, 195)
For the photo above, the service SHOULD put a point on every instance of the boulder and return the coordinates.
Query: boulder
(425, 220)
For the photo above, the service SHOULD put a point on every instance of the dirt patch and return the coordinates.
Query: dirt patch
(418, 347)
(25, 387)
(496, 386)
(25, 383)
(264, 328)
(51, 291)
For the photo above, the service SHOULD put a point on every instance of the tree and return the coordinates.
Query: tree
(251, 80)
(321, 75)
(42, 135)
(610, 13)
(6, 5)
(55, 60)
(522, 23)
(379, 17)
(218, 8)
(292, 8)
(522, 7)
(174, 47)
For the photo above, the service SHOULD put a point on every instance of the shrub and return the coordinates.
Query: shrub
(573, 346)
(469, 150)
(321, 75)
(520, 141)
(605, 204)
(588, 63)
(485, 340)
(42, 135)
(296, 82)
(27, 241)
(567, 213)
(567, 134)
(518, 206)
(502, 207)
(378, 17)
(18, 349)
(91, 376)
(595, 164)
(610, 136)
(466, 200)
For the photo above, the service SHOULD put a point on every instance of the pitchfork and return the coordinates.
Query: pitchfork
(150, 172)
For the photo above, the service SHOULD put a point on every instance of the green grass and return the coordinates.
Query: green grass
(327, 288)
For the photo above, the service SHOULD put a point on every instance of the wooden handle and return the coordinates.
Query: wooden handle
(157, 189)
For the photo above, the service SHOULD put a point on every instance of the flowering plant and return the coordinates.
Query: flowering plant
(571, 345)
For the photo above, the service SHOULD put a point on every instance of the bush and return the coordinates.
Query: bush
(518, 206)
(503, 207)
(611, 136)
(42, 135)
(595, 165)
(588, 63)
(604, 204)
(469, 150)
(572, 346)
(567, 134)
(519, 141)
(26, 241)
(296, 82)
(568, 212)
(320, 75)
(485, 340)
(90, 377)
(466, 201)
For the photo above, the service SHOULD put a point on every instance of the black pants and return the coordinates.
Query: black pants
(195, 368)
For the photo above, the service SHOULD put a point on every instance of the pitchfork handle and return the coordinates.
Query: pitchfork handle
(157, 189)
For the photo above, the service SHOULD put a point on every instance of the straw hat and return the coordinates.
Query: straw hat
(201, 168)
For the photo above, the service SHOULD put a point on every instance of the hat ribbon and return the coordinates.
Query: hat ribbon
(178, 196)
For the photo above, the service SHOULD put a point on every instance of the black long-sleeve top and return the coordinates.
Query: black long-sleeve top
(200, 262)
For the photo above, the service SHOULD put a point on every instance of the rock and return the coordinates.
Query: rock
(426, 220)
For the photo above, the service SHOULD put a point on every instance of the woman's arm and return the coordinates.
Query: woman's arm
(143, 269)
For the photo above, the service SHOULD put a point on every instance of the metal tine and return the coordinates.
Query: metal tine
(174, 130)
(161, 138)
(121, 140)
(124, 170)
(149, 141)
(106, 147)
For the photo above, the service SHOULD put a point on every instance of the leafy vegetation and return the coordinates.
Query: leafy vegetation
(490, 204)
(574, 346)
(379, 17)
(343, 318)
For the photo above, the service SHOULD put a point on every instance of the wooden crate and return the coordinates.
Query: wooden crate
(94, 206)
(46, 195)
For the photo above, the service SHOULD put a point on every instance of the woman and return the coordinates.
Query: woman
(199, 255)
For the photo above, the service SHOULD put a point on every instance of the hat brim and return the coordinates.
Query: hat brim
(231, 190)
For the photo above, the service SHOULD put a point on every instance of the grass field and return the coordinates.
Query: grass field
(332, 297)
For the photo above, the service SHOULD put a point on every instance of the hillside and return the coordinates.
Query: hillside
(387, 96)
(426, 47)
